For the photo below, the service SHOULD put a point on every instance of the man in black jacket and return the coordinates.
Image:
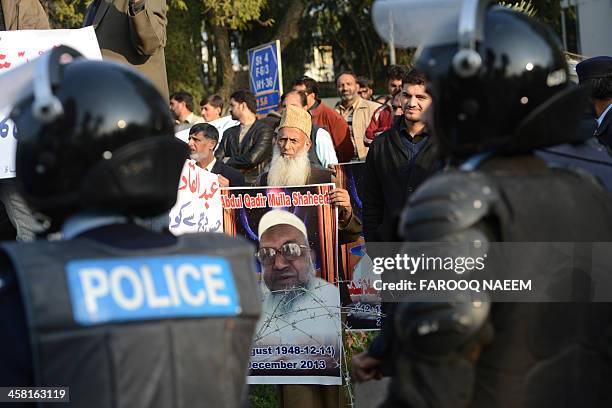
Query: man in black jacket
(247, 147)
(203, 138)
(399, 160)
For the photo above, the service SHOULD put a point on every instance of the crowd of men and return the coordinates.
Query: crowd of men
(392, 137)
(337, 135)
(441, 163)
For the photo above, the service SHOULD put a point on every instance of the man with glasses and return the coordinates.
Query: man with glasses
(298, 308)
(295, 298)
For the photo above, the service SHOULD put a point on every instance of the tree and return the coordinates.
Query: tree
(223, 16)
(184, 48)
(222, 27)
(347, 26)
(65, 13)
(233, 25)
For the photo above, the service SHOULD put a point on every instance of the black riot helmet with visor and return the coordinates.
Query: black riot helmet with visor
(498, 78)
(94, 135)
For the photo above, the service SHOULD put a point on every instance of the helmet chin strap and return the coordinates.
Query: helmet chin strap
(48, 72)
(467, 61)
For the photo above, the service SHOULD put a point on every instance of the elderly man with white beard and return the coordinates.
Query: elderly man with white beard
(297, 305)
(290, 166)
(322, 152)
(298, 308)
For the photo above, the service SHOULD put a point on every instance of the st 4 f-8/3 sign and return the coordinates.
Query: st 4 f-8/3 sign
(265, 73)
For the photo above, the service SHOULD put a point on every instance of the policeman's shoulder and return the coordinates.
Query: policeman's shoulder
(447, 204)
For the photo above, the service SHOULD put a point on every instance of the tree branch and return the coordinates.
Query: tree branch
(289, 29)
(221, 36)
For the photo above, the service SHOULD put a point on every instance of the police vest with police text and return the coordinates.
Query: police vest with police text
(160, 327)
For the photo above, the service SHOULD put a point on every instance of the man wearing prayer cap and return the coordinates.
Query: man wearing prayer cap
(595, 74)
(291, 166)
(299, 309)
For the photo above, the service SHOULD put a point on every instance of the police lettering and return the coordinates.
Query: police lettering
(131, 288)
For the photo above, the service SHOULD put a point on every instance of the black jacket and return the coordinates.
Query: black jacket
(235, 177)
(604, 131)
(389, 178)
(250, 156)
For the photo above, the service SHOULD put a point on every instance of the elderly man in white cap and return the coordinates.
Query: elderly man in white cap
(289, 277)
(298, 308)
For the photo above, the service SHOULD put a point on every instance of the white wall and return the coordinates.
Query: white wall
(595, 25)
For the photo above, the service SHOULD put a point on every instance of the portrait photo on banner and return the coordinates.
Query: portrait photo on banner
(294, 231)
(363, 312)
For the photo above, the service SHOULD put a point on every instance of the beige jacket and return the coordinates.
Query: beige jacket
(362, 115)
(24, 15)
(137, 41)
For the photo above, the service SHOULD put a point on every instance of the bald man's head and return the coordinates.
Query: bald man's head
(295, 98)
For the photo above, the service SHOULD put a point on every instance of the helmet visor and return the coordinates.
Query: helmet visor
(410, 23)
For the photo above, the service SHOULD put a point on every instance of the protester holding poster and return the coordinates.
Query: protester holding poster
(203, 139)
(290, 166)
(298, 341)
(16, 49)
(17, 15)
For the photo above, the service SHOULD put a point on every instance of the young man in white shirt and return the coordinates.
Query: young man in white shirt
(212, 108)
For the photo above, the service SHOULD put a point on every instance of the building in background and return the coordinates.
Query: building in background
(321, 69)
(592, 30)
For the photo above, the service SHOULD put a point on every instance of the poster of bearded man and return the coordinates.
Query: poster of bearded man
(294, 230)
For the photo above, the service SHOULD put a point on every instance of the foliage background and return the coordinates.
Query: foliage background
(220, 26)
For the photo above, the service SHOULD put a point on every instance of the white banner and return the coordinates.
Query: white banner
(183, 135)
(198, 203)
(20, 47)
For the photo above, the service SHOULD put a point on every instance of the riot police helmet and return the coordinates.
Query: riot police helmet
(95, 135)
(498, 78)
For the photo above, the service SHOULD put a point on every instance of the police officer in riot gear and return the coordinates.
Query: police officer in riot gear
(594, 154)
(122, 315)
(500, 90)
